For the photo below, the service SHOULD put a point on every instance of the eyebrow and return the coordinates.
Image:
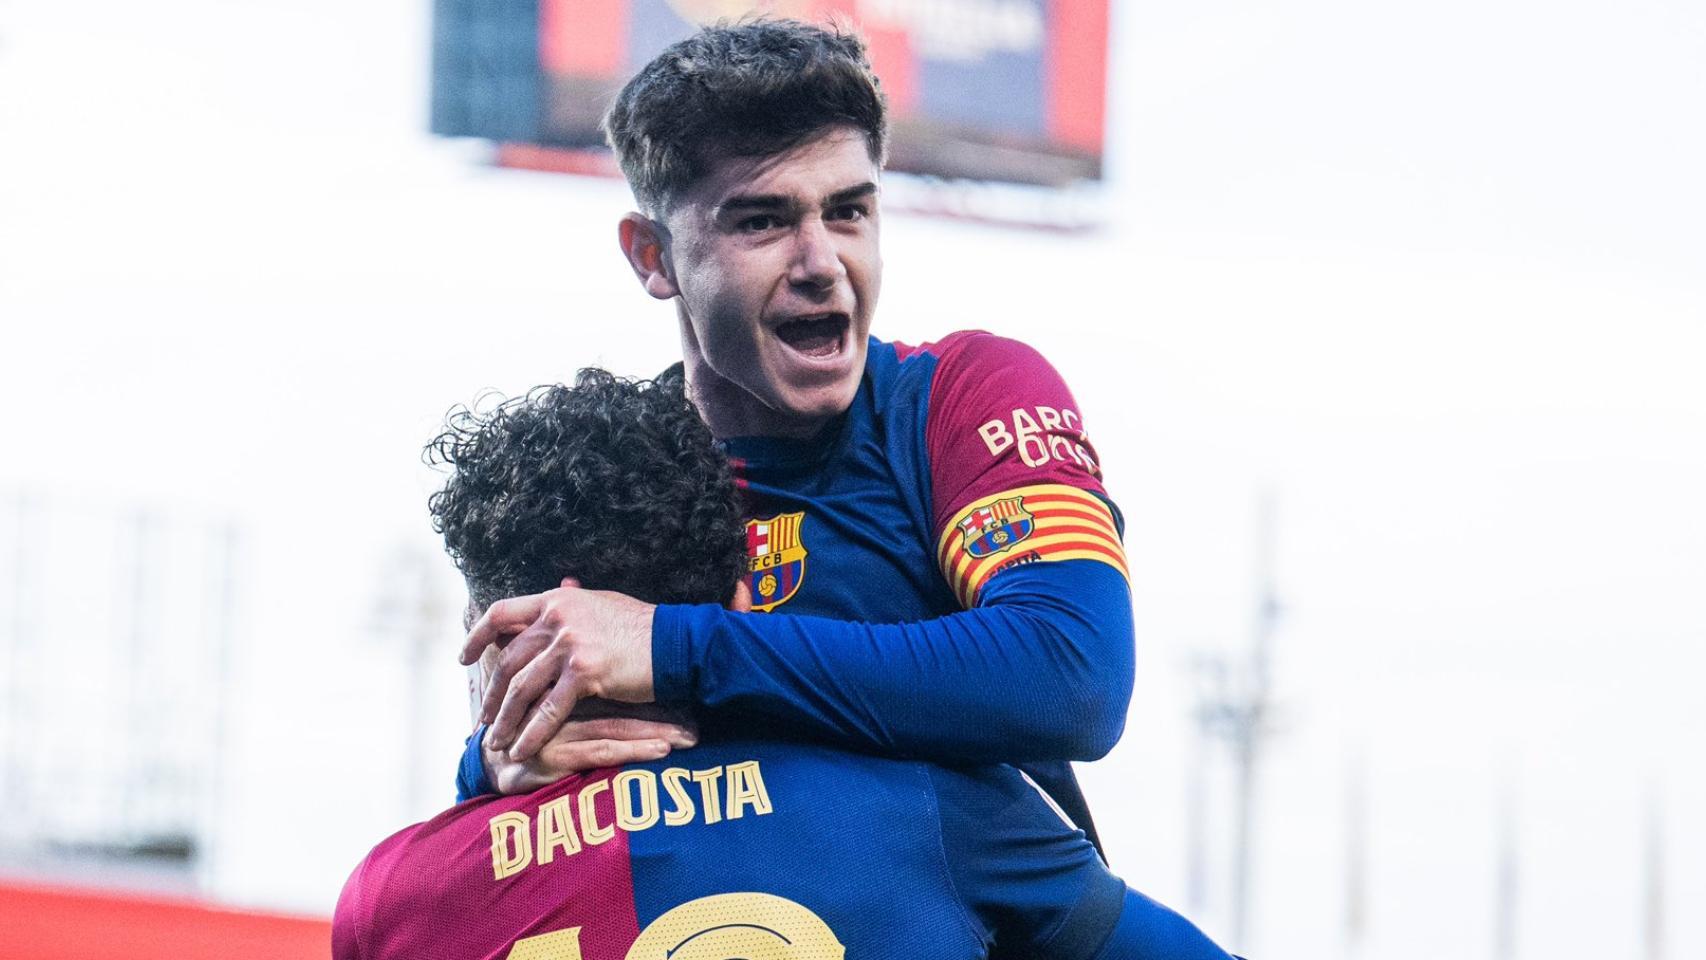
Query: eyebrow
(856, 192)
(768, 202)
(759, 202)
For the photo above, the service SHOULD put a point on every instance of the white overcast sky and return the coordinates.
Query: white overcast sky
(1434, 274)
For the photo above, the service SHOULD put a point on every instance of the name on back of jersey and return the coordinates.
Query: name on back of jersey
(639, 800)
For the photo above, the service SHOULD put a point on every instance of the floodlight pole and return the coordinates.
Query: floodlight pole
(1196, 814)
(1506, 880)
(1233, 705)
(1356, 854)
(1653, 909)
(1250, 716)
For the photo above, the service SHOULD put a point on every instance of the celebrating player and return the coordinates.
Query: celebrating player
(744, 847)
(928, 535)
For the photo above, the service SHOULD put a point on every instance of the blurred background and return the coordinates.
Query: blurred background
(1389, 322)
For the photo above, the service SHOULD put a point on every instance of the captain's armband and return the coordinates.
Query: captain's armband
(1031, 524)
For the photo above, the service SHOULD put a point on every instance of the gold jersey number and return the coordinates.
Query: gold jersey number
(755, 926)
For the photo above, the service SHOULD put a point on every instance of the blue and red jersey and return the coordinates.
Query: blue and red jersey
(941, 574)
(753, 849)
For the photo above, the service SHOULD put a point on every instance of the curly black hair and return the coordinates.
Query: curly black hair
(613, 481)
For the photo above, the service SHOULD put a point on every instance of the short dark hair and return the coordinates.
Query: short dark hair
(754, 88)
(616, 482)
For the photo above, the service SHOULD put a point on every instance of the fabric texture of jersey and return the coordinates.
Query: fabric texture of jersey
(729, 847)
(942, 573)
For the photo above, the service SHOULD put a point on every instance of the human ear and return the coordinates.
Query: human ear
(742, 602)
(643, 243)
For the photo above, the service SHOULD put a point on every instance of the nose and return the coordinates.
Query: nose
(817, 262)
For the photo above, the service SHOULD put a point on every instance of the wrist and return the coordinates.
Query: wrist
(472, 777)
(632, 679)
(671, 673)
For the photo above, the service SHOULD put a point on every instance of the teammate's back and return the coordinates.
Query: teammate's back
(749, 849)
(738, 849)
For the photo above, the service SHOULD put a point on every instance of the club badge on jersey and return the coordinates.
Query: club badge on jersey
(999, 526)
(776, 559)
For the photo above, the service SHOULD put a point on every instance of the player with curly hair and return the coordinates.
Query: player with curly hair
(744, 846)
(634, 478)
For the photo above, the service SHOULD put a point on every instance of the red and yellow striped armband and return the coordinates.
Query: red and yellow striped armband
(1050, 521)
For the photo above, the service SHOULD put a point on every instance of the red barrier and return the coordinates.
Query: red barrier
(45, 923)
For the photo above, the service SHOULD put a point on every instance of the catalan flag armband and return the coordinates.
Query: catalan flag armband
(1048, 521)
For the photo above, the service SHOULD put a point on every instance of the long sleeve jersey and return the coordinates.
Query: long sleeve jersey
(939, 574)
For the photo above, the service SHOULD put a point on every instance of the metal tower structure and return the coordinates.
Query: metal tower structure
(1234, 708)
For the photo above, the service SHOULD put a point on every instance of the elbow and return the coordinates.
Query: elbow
(1097, 721)
(1100, 692)
(1105, 711)
(1087, 671)
(1080, 732)
(1087, 715)
(1101, 741)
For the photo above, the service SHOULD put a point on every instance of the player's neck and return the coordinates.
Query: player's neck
(730, 411)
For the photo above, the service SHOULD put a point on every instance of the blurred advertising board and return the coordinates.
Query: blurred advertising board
(996, 90)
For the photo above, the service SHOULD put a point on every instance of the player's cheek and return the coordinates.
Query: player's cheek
(731, 343)
(866, 275)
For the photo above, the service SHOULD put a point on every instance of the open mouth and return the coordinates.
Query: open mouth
(817, 336)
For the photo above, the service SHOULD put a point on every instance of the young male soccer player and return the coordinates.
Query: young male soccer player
(747, 848)
(938, 564)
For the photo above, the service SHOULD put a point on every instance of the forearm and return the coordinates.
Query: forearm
(1041, 671)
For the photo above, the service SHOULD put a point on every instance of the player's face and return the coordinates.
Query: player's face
(776, 264)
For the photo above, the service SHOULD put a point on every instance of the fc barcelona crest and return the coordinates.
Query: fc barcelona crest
(988, 530)
(775, 559)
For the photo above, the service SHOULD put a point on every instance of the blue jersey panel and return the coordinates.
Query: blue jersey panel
(864, 539)
(854, 840)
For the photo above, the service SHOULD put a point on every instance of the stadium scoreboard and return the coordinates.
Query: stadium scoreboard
(996, 90)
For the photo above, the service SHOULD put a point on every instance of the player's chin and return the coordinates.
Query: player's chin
(821, 388)
(820, 400)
